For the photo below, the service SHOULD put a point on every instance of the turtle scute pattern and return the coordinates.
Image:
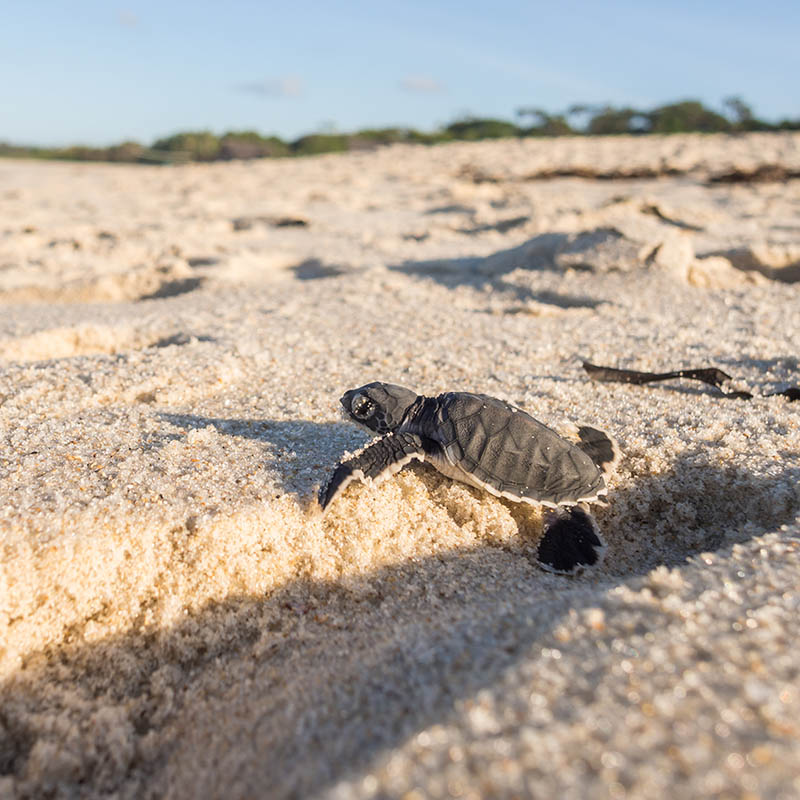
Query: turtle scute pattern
(508, 450)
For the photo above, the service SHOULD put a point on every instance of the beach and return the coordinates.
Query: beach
(178, 618)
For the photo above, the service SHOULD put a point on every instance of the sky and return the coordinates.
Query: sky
(96, 73)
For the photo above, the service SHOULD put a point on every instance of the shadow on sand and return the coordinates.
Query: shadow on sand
(285, 440)
(291, 692)
(535, 255)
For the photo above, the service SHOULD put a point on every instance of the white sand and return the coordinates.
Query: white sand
(177, 618)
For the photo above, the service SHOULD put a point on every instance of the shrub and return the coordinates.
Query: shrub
(197, 145)
(250, 144)
(474, 128)
(686, 116)
(316, 143)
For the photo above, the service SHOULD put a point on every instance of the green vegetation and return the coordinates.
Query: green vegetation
(197, 146)
(475, 128)
(250, 144)
(317, 143)
(686, 116)
(544, 123)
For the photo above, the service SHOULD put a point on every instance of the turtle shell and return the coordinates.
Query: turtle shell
(507, 452)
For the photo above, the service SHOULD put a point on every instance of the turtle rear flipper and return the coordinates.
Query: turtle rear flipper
(600, 446)
(571, 542)
(377, 461)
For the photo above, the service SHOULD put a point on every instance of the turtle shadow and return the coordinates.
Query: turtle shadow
(312, 683)
(287, 443)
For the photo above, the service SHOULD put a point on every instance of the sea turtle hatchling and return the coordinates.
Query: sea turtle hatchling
(487, 443)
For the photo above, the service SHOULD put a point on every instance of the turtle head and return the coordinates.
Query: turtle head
(380, 407)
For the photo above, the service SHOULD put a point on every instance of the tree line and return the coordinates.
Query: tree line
(686, 116)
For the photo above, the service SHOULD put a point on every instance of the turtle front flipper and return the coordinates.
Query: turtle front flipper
(571, 541)
(377, 461)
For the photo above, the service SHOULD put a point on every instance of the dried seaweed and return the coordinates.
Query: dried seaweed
(710, 375)
(793, 393)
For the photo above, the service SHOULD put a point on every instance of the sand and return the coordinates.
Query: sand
(178, 619)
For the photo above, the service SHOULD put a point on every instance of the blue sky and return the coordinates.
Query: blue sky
(98, 72)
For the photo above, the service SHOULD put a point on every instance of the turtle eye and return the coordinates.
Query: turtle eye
(362, 407)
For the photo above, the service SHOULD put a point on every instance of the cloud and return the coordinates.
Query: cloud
(423, 84)
(287, 86)
(127, 18)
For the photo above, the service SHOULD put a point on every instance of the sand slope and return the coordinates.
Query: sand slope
(178, 619)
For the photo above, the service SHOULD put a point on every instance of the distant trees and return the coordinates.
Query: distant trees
(581, 119)
(684, 117)
(127, 151)
(543, 123)
(740, 114)
(609, 120)
(250, 144)
(473, 128)
(195, 145)
(317, 143)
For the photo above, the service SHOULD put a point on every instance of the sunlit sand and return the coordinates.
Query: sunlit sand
(178, 618)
